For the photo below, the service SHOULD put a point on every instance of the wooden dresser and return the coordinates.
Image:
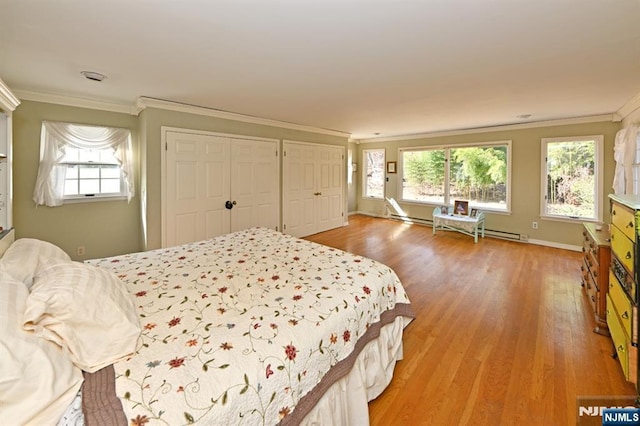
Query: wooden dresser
(595, 272)
(622, 298)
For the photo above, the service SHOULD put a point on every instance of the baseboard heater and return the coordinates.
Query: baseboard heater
(487, 232)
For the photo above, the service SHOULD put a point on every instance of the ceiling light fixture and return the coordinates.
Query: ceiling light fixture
(93, 76)
(524, 116)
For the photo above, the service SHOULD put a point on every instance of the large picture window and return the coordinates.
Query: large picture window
(477, 173)
(572, 178)
(373, 173)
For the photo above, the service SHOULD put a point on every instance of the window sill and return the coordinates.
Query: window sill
(94, 199)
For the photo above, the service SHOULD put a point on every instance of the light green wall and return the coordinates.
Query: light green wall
(152, 120)
(104, 228)
(113, 227)
(525, 178)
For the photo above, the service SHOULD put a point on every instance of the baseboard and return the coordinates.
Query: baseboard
(510, 236)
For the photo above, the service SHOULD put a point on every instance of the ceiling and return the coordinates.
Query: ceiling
(364, 67)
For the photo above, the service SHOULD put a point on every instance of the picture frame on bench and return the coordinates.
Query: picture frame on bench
(474, 213)
(461, 207)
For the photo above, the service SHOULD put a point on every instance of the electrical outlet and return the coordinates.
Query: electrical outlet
(534, 225)
(80, 251)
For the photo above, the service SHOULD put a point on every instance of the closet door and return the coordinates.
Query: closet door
(254, 184)
(197, 187)
(313, 188)
(330, 187)
(299, 182)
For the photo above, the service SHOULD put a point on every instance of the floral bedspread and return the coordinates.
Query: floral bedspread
(237, 329)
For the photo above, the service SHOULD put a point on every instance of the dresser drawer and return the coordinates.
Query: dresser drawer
(622, 247)
(620, 341)
(623, 218)
(623, 306)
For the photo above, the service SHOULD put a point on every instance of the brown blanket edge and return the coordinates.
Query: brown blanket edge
(100, 404)
(102, 407)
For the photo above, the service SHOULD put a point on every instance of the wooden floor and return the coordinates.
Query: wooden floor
(502, 335)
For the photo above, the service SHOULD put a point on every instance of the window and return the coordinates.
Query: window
(572, 178)
(92, 173)
(83, 162)
(373, 173)
(477, 173)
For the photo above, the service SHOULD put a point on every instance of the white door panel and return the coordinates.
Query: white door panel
(312, 181)
(197, 181)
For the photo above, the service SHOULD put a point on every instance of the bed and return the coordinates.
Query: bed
(253, 327)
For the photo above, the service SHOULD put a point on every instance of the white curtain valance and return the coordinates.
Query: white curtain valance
(55, 137)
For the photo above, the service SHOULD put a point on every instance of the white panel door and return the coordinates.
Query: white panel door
(313, 188)
(197, 186)
(329, 186)
(299, 199)
(254, 184)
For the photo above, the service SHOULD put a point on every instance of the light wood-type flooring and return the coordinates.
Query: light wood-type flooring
(502, 335)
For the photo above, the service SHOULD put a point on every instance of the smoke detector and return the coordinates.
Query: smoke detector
(93, 76)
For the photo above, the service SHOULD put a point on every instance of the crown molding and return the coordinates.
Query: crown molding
(51, 98)
(519, 126)
(8, 101)
(631, 106)
(145, 102)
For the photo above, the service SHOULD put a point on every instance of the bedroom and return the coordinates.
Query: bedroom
(110, 228)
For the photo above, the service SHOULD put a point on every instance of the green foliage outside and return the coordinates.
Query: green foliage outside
(478, 174)
(571, 178)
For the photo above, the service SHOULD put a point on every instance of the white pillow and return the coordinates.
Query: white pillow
(37, 380)
(86, 310)
(22, 257)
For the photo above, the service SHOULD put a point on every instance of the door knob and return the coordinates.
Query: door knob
(229, 204)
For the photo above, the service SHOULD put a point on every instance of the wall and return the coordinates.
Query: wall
(525, 178)
(152, 119)
(104, 228)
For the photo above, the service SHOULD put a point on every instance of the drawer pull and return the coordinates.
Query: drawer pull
(630, 225)
(593, 298)
(620, 348)
(625, 315)
(628, 256)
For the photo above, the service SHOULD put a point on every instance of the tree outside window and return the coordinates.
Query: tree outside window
(374, 172)
(571, 186)
(479, 174)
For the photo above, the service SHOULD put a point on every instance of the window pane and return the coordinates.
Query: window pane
(423, 175)
(571, 182)
(110, 186)
(89, 156)
(110, 172)
(107, 156)
(90, 186)
(479, 174)
(374, 173)
(71, 187)
(72, 172)
(71, 154)
(89, 172)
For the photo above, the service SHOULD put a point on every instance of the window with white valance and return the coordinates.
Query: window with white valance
(83, 162)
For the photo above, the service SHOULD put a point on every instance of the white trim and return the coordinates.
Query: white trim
(144, 102)
(164, 129)
(77, 102)
(629, 107)
(555, 245)
(8, 101)
(520, 126)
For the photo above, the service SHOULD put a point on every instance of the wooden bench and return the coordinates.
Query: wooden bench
(464, 224)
